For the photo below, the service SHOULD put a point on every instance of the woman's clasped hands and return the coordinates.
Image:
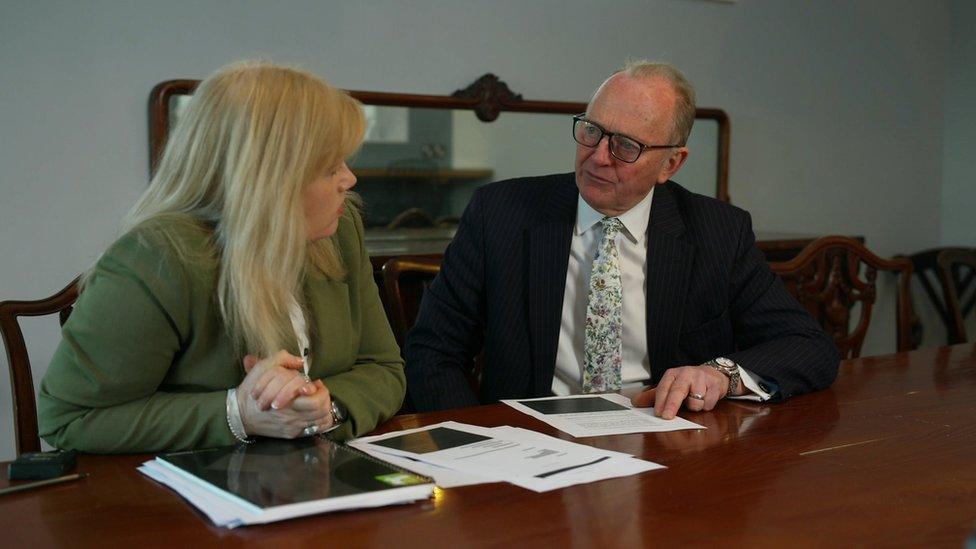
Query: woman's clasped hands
(277, 400)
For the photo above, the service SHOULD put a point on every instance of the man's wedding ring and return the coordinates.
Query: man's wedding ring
(696, 396)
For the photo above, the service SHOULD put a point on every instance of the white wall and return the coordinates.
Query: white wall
(959, 178)
(836, 107)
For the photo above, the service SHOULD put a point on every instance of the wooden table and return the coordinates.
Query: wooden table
(885, 457)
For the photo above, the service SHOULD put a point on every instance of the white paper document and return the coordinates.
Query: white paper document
(519, 456)
(597, 415)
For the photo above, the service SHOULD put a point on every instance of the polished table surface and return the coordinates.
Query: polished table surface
(887, 456)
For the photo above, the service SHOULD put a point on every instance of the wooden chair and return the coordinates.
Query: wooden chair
(928, 274)
(951, 264)
(21, 380)
(405, 279)
(826, 278)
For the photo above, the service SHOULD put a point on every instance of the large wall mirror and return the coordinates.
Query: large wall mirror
(424, 155)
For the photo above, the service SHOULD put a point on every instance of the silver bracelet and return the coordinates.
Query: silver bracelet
(234, 411)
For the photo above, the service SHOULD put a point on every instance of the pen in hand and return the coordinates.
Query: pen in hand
(40, 483)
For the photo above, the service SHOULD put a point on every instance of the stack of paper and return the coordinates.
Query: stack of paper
(456, 454)
(597, 415)
(274, 480)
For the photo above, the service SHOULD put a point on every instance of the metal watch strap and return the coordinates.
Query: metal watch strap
(337, 419)
(731, 370)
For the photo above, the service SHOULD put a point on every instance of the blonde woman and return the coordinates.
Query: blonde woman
(239, 301)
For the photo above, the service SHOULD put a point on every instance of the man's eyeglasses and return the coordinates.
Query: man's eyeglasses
(623, 148)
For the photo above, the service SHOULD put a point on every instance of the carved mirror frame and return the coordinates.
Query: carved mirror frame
(487, 97)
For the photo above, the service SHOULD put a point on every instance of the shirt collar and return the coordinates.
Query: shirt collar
(634, 220)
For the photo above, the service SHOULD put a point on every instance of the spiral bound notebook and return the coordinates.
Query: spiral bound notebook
(275, 479)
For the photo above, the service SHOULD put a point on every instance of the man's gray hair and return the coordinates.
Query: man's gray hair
(684, 115)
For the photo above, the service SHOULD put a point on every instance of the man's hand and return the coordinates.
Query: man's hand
(697, 387)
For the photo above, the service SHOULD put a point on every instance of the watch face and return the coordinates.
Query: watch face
(727, 363)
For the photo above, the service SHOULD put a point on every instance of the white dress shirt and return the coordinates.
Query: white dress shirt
(631, 244)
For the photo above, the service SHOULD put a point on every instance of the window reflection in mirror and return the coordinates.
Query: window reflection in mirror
(428, 180)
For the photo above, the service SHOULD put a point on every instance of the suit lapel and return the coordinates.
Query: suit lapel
(669, 262)
(548, 248)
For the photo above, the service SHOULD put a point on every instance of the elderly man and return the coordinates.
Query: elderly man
(613, 277)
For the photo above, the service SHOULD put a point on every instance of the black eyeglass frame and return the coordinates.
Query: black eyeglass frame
(609, 135)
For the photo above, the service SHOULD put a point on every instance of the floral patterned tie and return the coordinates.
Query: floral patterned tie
(601, 346)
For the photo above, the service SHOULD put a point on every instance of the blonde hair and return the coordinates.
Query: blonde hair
(684, 115)
(252, 137)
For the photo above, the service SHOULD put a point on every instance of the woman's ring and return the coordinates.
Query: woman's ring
(310, 430)
(697, 396)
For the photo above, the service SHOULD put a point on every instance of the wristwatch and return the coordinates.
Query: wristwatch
(730, 369)
(338, 416)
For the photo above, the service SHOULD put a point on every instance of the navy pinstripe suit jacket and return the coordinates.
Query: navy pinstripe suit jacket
(709, 293)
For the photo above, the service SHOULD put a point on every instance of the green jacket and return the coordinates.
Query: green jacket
(144, 363)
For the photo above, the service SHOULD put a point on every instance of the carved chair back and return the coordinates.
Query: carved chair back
(834, 275)
(929, 277)
(405, 279)
(955, 281)
(21, 380)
